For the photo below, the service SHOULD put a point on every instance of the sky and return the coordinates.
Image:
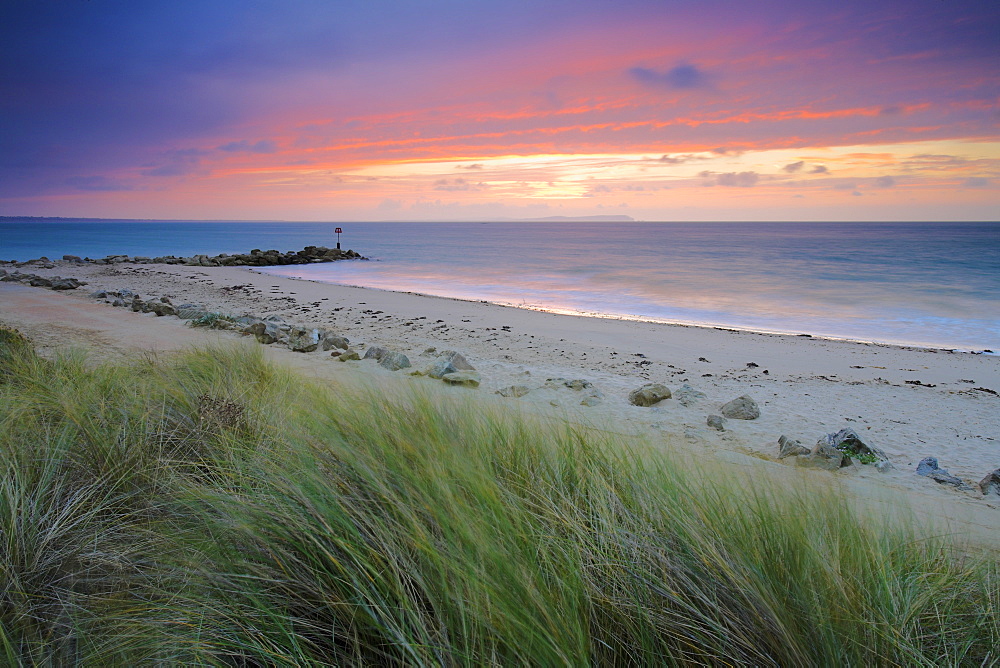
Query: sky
(503, 109)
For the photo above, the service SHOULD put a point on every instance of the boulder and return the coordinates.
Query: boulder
(825, 456)
(304, 340)
(161, 309)
(741, 408)
(942, 477)
(331, 341)
(578, 384)
(790, 447)
(394, 361)
(649, 394)
(376, 353)
(515, 391)
(448, 362)
(347, 355)
(265, 332)
(929, 468)
(687, 395)
(990, 485)
(848, 442)
(716, 422)
(463, 378)
(65, 284)
(191, 311)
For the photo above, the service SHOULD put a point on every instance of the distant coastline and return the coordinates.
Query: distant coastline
(547, 219)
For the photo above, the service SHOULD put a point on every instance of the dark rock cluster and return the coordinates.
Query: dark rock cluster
(51, 282)
(255, 258)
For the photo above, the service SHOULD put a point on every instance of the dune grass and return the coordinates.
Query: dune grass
(214, 509)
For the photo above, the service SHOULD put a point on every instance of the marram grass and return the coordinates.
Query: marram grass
(214, 509)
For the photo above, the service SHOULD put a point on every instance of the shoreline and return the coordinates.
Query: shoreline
(647, 319)
(910, 402)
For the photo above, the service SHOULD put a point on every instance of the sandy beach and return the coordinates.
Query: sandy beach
(909, 402)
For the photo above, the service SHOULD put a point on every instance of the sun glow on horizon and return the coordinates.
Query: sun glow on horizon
(705, 110)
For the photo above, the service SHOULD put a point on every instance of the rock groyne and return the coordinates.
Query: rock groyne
(255, 258)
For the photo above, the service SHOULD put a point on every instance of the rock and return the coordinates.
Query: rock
(448, 362)
(927, 466)
(514, 391)
(825, 456)
(376, 353)
(347, 355)
(578, 385)
(790, 447)
(463, 378)
(39, 282)
(848, 442)
(716, 422)
(72, 258)
(266, 332)
(942, 477)
(834, 451)
(99, 294)
(741, 408)
(687, 395)
(990, 485)
(66, 284)
(649, 394)
(191, 311)
(161, 309)
(304, 340)
(394, 361)
(592, 400)
(429, 351)
(331, 341)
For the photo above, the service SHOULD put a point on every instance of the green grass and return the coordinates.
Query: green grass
(214, 509)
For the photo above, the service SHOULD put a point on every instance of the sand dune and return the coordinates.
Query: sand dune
(805, 387)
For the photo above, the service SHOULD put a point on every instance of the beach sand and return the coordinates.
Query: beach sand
(805, 387)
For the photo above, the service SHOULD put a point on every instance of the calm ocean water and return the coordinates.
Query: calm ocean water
(935, 284)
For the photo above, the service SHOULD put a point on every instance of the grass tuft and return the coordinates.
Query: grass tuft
(213, 508)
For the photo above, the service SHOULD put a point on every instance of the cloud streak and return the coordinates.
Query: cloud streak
(682, 77)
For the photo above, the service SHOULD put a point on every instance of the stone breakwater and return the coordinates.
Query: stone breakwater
(255, 258)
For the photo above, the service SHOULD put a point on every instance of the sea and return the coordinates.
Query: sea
(921, 284)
